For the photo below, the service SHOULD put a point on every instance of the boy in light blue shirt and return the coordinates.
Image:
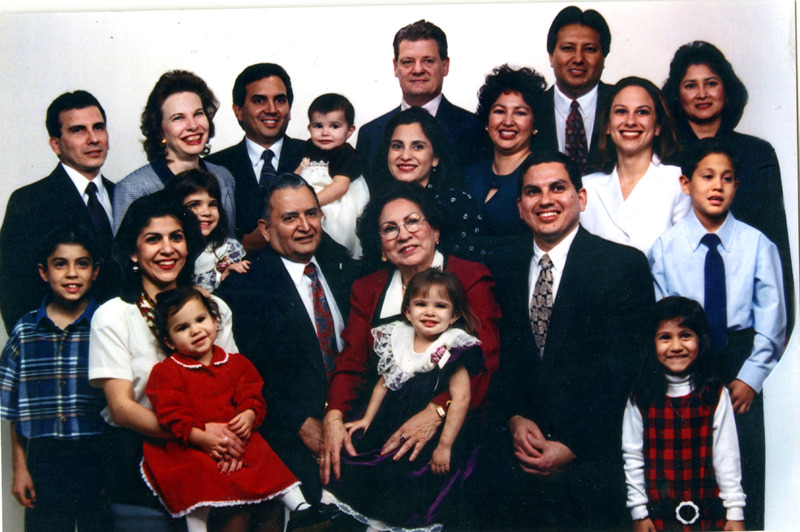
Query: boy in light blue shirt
(734, 271)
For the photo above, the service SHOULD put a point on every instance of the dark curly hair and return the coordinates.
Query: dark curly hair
(704, 53)
(369, 225)
(170, 83)
(665, 145)
(504, 79)
(138, 216)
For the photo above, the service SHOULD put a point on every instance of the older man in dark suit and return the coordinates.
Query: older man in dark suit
(262, 103)
(420, 65)
(573, 336)
(74, 193)
(289, 311)
(568, 117)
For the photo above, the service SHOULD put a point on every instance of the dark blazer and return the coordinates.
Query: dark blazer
(463, 130)
(596, 342)
(545, 122)
(248, 194)
(33, 211)
(272, 328)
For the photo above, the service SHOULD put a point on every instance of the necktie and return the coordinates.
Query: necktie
(575, 144)
(102, 227)
(715, 298)
(326, 331)
(268, 171)
(542, 302)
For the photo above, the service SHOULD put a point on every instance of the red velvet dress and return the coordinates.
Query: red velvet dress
(187, 394)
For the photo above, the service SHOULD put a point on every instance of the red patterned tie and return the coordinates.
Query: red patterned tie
(326, 331)
(575, 144)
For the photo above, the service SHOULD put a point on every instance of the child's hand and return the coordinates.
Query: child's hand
(359, 424)
(742, 396)
(644, 525)
(734, 525)
(217, 441)
(229, 465)
(22, 488)
(238, 267)
(203, 291)
(440, 462)
(242, 424)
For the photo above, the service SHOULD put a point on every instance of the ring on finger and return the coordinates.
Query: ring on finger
(402, 438)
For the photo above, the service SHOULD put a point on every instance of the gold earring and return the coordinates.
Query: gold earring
(163, 142)
(383, 258)
(437, 240)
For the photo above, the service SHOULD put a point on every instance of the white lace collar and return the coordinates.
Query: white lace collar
(397, 360)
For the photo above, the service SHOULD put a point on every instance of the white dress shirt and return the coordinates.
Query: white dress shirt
(303, 284)
(432, 106)
(558, 256)
(587, 105)
(255, 151)
(81, 183)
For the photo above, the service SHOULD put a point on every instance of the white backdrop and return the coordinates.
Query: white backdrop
(118, 56)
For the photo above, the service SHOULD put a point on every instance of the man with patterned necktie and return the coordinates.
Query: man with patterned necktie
(568, 119)
(289, 313)
(74, 193)
(573, 336)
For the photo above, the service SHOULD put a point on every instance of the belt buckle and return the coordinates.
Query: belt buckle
(690, 505)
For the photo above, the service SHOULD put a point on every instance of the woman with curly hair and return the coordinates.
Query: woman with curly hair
(505, 107)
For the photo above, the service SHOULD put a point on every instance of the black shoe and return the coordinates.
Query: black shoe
(318, 517)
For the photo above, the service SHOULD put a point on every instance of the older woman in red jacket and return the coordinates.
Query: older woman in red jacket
(405, 225)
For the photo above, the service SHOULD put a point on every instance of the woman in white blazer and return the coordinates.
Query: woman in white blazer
(635, 197)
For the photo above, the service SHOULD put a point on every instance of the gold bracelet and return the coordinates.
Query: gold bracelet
(331, 421)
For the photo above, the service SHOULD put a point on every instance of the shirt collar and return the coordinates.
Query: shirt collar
(254, 151)
(697, 231)
(296, 270)
(218, 358)
(587, 102)
(558, 255)
(87, 313)
(432, 106)
(80, 181)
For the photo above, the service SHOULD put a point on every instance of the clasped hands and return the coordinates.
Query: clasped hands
(536, 454)
(411, 438)
(225, 442)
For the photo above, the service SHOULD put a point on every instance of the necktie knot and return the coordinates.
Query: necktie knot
(710, 240)
(91, 189)
(310, 270)
(574, 106)
(268, 171)
(545, 262)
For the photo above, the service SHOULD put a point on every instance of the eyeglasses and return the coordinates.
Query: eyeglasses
(412, 224)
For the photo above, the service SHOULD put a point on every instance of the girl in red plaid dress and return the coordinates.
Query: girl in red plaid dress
(679, 435)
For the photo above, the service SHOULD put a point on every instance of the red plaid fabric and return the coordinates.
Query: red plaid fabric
(678, 465)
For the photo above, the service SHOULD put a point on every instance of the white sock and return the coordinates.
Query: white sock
(294, 500)
(197, 520)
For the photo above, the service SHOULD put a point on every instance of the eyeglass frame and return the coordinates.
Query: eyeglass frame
(405, 225)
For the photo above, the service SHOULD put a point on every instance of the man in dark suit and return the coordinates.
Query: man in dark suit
(573, 337)
(262, 103)
(74, 193)
(420, 65)
(578, 43)
(276, 325)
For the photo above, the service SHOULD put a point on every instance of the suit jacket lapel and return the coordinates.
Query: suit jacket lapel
(567, 300)
(64, 193)
(285, 297)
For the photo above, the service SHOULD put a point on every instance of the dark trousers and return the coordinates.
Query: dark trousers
(68, 477)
